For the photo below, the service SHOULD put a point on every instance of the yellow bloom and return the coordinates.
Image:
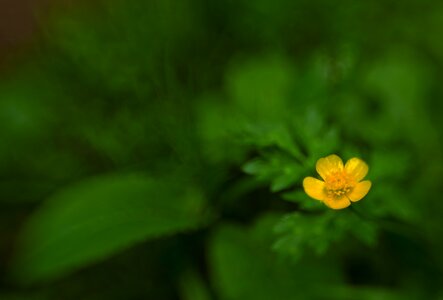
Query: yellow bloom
(342, 184)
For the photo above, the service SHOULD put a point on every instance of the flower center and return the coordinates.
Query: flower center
(338, 184)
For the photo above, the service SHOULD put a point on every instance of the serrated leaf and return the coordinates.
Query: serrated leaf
(305, 202)
(282, 182)
(244, 267)
(273, 134)
(299, 232)
(254, 166)
(99, 217)
(277, 168)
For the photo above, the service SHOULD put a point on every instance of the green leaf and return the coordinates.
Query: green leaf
(278, 168)
(283, 181)
(305, 202)
(99, 217)
(243, 266)
(272, 135)
(302, 233)
(254, 166)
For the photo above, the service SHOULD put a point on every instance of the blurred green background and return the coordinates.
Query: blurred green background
(155, 149)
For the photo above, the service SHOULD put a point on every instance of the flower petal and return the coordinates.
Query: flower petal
(329, 164)
(337, 203)
(357, 168)
(360, 190)
(314, 188)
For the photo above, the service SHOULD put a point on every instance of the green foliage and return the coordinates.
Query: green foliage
(98, 217)
(303, 233)
(156, 150)
(281, 169)
(130, 41)
(244, 266)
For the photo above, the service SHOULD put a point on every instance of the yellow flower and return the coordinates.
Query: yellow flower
(342, 184)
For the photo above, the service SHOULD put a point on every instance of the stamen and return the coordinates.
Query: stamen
(338, 185)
